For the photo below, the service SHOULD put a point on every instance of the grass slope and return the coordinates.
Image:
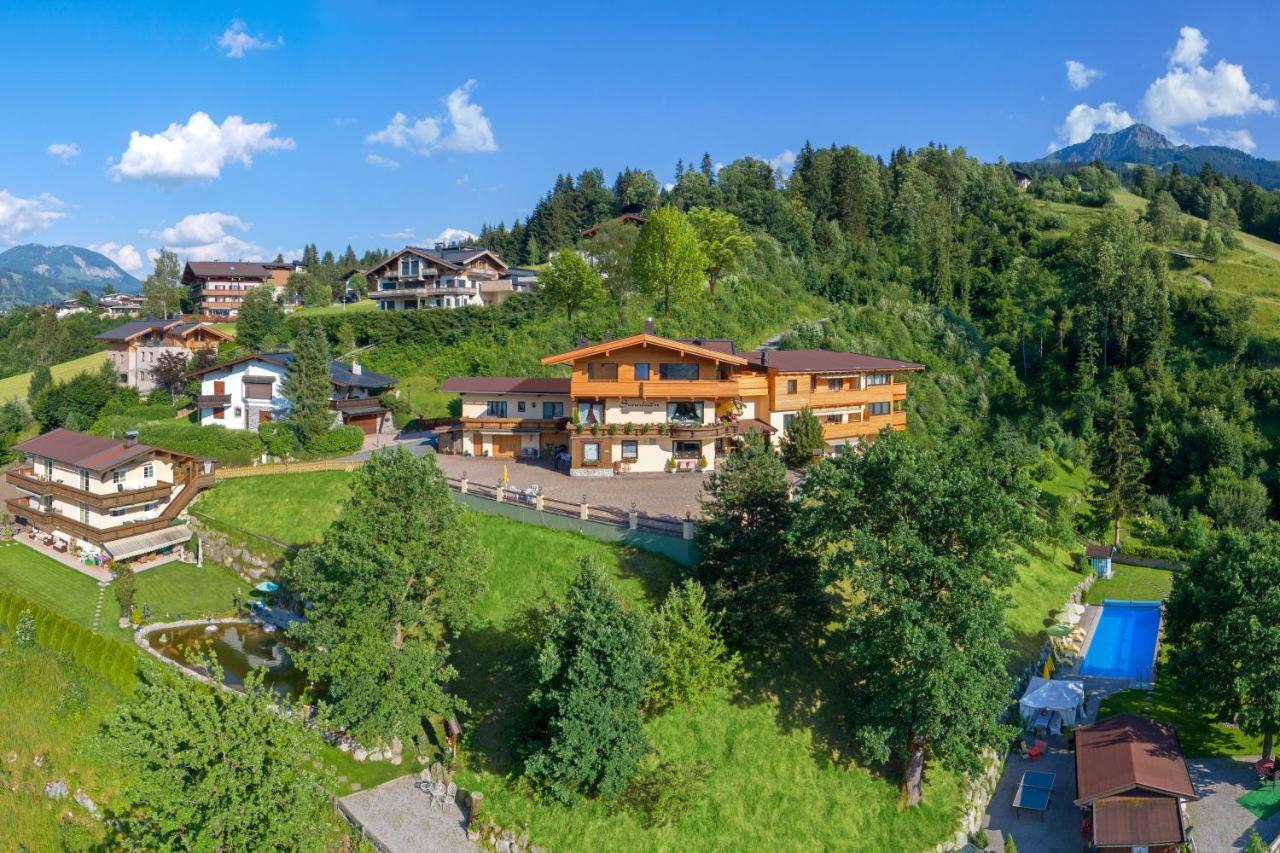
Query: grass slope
(45, 581)
(1132, 583)
(15, 387)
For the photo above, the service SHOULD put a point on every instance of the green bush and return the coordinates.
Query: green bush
(337, 441)
(225, 446)
(279, 438)
(24, 635)
(1152, 552)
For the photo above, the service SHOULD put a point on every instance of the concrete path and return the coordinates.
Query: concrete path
(98, 573)
(1059, 832)
(1218, 822)
(401, 818)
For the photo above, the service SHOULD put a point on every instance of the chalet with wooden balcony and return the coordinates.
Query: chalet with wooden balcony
(855, 396)
(443, 277)
(649, 403)
(218, 287)
(247, 392)
(134, 348)
(102, 496)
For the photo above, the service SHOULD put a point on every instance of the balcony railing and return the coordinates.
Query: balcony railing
(528, 424)
(208, 400)
(28, 481)
(354, 403)
(581, 386)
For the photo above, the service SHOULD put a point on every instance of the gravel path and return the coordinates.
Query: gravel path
(1218, 822)
(402, 820)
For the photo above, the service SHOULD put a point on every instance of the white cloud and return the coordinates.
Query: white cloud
(1083, 121)
(237, 41)
(465, 128)
(1079, 75)
(1190, 49)
(402, 234)
(21, 216)
(65, 150)
(1191, 93)
(197, 150)
(209, 237)
(381, 162)
(127, 257)
(783, 162)
(453, 235)
(1240, 138)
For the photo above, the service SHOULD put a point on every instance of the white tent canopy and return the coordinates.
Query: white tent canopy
(1061, 695)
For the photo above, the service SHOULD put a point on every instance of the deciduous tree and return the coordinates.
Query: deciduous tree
(1222, 632)
(162, 290)
(668, 262)
(259, 318)
(920, 540)
(721, 239)
(401, 565)
(570, 282)
(169, 371)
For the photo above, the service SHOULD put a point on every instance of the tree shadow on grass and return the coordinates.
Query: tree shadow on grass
(494, 679)
(654, 572)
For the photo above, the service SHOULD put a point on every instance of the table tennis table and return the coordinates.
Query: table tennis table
(1035, 792)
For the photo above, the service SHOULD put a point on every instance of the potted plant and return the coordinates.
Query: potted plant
(644, 429)
(670, 466)
(702, 463)
(628, 427)
(595, 429)
(662, 429)
(577, 428)
(613, 429)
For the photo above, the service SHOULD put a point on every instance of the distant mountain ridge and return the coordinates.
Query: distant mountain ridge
(1140, 144)
(32, 274)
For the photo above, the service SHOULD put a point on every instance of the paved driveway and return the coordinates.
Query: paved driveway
(1218, 822)
(656, 494)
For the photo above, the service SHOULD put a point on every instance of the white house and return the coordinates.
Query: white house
(249, 391)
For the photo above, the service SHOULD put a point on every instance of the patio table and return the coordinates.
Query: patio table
(1035, 792)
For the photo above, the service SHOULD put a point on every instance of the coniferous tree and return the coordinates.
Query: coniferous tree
(41, 378)
(802, 442)
(1119, 467)
(259, 319)
(694, 664)
(308, 386)
(592, 663)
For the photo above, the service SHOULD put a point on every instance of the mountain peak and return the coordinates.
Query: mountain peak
(35, 273)
(1140, 135)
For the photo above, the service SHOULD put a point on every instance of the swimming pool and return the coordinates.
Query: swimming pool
(1124, 640)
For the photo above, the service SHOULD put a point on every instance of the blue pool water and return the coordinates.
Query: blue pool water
(1124, 640)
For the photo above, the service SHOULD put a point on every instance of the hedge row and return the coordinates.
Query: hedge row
(225, 446)
(1152, 552)
(114, 661)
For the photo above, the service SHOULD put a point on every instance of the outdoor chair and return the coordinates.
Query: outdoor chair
(1038, 751)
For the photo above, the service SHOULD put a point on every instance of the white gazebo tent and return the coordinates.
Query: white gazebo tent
(1061, 695)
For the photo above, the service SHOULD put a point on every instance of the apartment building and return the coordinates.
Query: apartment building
(218, 287)
(135, 347)
(121, 304)
(455, 277)
(648, 403)
(118, 499)
(249, 391)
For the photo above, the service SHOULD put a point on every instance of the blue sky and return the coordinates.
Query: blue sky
(299, 140)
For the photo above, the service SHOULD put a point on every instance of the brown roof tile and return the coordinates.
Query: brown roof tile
(82, 450)
(505, 385)
(1124, 752)
(1136, 821)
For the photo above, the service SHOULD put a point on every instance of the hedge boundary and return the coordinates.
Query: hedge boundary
(115, 661)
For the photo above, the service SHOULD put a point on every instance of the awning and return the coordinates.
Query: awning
(143, 543)
(756, 425)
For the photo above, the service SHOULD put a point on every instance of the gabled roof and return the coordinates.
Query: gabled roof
(1140, 821)
(1097, 551)
(81, 450)
(826, 361)
(1126, 752)
(231, 269)
(175, 328)
(339, 373)
(645, 340)
(454, 259)
(505, 385)
(628, 218)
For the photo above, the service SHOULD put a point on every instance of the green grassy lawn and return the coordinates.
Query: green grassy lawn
(1040, 591)
(44, 581)
(177, 591)
(338, 308)
(16, 386)
(1132, 583)
(424, 397)
(33, 684)
(1200, 735)
(291, 508)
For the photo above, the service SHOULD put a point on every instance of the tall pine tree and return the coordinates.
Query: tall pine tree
(1117, 489)
(308, 387)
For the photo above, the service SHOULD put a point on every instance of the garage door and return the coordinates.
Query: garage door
(368, 423)
(506, 445)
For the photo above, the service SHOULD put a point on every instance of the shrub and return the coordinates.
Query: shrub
(278, 438)
(1082, 564)
(1152, 552)
(225, 446)
(661, 794)
(124, 588)
(803, 440)
(24, 636)
(339, 440)
(693, 662)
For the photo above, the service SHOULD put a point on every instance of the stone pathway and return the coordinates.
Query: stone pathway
(401, 819)
(97, 609)
(1218, 822)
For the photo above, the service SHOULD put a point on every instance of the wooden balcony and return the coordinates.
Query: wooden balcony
(514, 424)
(356, 403)
(821, 398)
(25, 479)
(206, 401)
(860, 429)
(695, 389)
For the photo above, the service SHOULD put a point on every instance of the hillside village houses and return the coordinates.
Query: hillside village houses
(648, 403)
(218, 287)
(444, 277)
(106, 498)
(134, 348)
(249, 391)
